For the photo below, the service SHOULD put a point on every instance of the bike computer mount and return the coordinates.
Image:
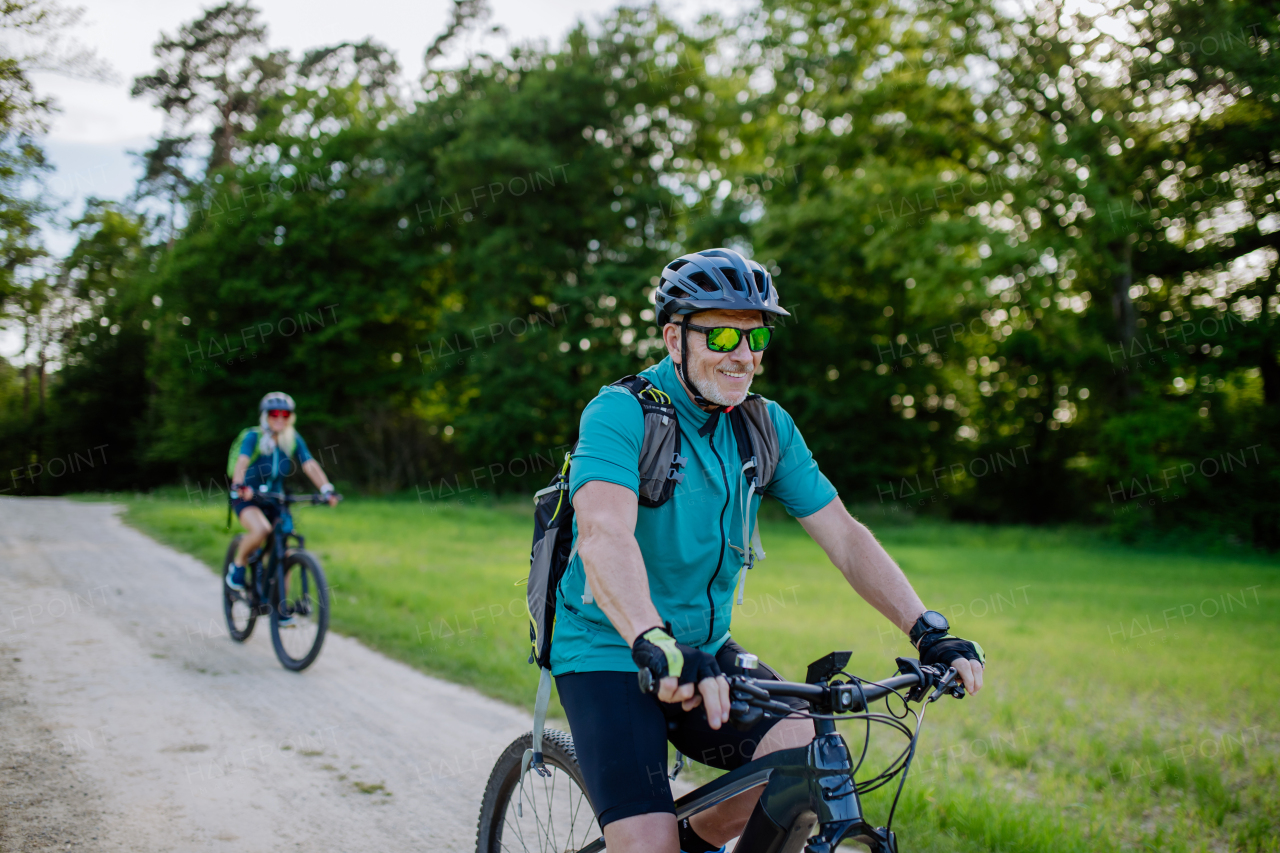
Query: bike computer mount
(821, 670)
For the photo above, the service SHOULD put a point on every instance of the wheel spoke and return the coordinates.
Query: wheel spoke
(519, 833)
(573, 820)
(544, 834)
(551, 810)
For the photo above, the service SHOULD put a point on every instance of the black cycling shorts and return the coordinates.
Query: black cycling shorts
(269, 509)
(621, 734)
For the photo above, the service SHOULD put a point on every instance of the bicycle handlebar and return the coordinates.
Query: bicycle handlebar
(281, 497)
(748, 693)
(300, 499)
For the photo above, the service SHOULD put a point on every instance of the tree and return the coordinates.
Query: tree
(103, 392)
(26, 286)
(213, 70)
(464, 14)
(522, 199)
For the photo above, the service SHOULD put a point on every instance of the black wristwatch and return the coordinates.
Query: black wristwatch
(930, 622)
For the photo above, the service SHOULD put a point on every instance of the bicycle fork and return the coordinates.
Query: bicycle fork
(820, 794)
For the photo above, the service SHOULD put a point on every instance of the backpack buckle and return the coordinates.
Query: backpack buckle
(677, 461)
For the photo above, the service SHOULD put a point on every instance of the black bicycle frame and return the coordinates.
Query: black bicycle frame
(804, 787)
(272, 589)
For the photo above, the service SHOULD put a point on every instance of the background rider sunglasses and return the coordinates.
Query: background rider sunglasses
(727, 338)
(278, 413)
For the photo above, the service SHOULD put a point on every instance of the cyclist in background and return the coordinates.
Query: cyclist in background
(653, 587)
(268, 454)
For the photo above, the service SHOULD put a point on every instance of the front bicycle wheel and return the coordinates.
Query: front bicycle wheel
(537, 813)
(236, 604)
(302, 604)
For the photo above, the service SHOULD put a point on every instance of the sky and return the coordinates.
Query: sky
(99, 123)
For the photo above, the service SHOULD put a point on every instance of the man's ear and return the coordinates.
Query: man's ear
(671, 337)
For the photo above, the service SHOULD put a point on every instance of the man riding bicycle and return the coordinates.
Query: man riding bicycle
(653, 587)
(268, 454)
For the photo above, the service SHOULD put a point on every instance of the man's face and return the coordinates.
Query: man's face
(724, 378)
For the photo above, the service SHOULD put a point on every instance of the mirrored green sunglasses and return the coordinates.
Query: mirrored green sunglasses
(727, 338)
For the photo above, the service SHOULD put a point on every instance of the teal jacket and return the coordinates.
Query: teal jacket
(690, 543)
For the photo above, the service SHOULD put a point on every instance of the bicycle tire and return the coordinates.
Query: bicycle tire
(238, 628)
(310, 612)
(498, 814)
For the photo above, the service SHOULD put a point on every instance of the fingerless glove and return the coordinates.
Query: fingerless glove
(943, 649)
(657, 651)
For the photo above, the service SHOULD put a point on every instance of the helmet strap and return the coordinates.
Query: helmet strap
(698, 400)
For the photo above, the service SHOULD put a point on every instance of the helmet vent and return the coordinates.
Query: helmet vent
(704, 281)
(761, 287)
(676, 264)
(677, 293)
(732, 274)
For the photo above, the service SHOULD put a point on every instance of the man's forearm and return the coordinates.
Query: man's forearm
(619, 583)
(876, 577)
(865, 564)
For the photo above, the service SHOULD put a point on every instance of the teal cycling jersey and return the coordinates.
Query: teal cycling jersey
(270, 469)
(691, 545)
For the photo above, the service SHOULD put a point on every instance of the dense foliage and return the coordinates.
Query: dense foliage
(1032, 260)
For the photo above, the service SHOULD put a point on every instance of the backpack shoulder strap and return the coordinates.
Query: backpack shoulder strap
(242, 435)
(660, 459)
(644, 390)
(757, 437)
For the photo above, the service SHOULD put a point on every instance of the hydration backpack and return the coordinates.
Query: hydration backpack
(234, 453)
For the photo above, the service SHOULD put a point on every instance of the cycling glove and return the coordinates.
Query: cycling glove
(657, 651)
(942, 649)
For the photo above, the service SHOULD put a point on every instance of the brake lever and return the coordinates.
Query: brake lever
(945, 686)
(741, 685)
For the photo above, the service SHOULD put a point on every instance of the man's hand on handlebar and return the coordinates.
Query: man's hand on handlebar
(712, 692)
(245, 492)
(658, 652)
(965, 655)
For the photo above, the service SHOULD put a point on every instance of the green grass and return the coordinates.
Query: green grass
(1132, 696)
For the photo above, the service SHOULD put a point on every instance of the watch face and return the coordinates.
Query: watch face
(935, 620)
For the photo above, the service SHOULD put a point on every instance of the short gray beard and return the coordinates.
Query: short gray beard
(713, 394)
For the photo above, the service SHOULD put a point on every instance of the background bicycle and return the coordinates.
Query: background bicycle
(285, 583)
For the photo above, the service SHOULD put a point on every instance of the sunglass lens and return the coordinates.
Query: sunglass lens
(759, 338)
(278, 413)
(723, 340)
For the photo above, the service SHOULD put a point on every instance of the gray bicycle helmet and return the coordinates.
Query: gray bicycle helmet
(276, 400)
(715, 279)
(706, 281)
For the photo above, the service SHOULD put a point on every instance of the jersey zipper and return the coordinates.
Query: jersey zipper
(711, 607)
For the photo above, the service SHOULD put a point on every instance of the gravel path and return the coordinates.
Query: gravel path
(130, 721)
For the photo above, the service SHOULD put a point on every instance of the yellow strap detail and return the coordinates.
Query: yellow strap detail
(666, 642)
